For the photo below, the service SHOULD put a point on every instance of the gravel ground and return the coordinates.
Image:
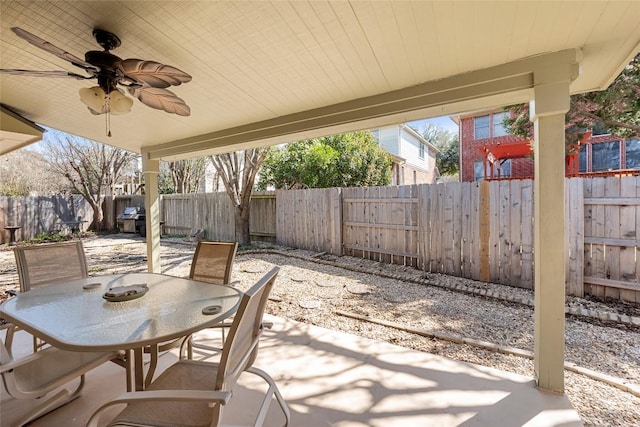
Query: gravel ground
(312, 287)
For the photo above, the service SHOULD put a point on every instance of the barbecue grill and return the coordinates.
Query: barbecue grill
(132, 220)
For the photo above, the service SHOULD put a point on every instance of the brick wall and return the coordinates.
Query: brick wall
(471, 151)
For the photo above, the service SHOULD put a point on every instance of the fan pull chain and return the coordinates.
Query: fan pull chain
(108, 117)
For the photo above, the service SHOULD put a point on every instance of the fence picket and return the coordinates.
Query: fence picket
(515, 233)
(612, 230)
(628, 230)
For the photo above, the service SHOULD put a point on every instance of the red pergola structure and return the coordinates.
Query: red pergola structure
(493, 155)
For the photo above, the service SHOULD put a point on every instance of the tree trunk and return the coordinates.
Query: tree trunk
(242, 227)
(98, 216)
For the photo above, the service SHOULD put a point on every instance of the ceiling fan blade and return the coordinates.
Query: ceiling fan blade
(31, 73)
(161, 99)
(45, 45)
(154, 74)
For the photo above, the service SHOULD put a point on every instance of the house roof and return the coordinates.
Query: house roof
(273, 71)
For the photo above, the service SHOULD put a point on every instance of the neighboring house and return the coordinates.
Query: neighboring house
(487, 151)
(414, 158)
(604, 154)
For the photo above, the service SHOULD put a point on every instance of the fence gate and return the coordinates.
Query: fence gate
(611, 243)
(381, 223)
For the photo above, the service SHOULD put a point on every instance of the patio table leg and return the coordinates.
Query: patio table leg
(128, 364)
(138, 369)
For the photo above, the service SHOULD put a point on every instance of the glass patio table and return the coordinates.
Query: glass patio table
(75, 315)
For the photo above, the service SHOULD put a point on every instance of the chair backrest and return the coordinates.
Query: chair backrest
(48, 263)
(241, 346)
(213, 261)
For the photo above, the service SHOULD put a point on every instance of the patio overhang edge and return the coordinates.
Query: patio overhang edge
(16, 131)
(512, 82)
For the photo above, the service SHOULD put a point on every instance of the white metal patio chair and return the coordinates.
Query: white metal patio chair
(212, 263)
(194, 393)
(49, 263)
(39, 373)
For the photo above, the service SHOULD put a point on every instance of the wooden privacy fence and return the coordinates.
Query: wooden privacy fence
(41, 214)
(310, 219)
(381, 223)
(213, 212)
(482, 231)
(611, 241)
(478, 230)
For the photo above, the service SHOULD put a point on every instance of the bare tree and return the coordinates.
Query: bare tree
(238, 172)
(91, 168)
(26, 172)
(187, 175)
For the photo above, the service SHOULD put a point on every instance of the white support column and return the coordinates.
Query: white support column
(150, 170)
(551, 102)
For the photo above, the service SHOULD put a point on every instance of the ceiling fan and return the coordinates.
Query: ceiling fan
(145, 80)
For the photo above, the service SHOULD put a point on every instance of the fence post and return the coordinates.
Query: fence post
(335, 219)
(485, 215)
(574, 213)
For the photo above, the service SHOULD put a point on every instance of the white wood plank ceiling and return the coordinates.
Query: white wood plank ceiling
(260, 65)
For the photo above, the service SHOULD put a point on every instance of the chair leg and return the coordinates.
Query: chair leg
(186, 348)
(273, 388)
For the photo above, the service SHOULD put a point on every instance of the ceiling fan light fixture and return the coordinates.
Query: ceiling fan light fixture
(119, 103)
(93, 97)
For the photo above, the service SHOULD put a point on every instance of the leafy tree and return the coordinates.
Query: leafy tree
(617, 108)
(346, 160)
(447, 157)
(92, 169)
(26, 172)
(238, 173)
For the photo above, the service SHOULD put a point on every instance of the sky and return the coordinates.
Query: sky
(443, 122)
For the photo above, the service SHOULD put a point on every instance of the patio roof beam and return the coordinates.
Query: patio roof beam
(513, 82)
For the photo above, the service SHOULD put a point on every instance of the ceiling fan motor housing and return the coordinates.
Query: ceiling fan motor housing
(106, 39)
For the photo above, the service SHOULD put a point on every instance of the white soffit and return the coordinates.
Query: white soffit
(16, 132)
(261, 70)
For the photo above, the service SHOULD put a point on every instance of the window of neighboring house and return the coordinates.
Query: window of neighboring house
(499, 129)
(481, 127)
(478, 171)
(583, 158)
(421, 152)
(632, 150)
(605, 156)
(505, 170)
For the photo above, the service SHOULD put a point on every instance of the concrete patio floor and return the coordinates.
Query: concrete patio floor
(335, 379)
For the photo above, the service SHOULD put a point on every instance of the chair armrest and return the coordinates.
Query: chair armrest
(221, 397)
(23, 361)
